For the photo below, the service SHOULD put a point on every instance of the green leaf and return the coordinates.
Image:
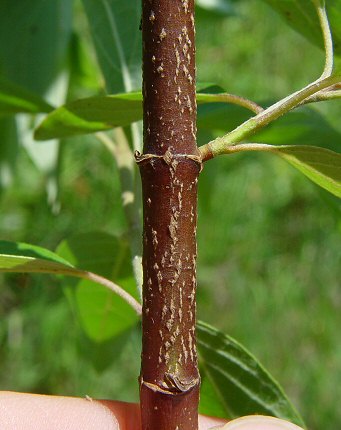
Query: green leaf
(301, 15)
(91, 115)
(105, 112)
(102, 314)
(15, 99)
(100, 113)
(35, 36)
(320, 165)
(25, 258)
(234, 383)
(114, 26)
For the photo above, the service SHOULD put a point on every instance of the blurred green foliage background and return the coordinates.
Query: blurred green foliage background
(269, 240)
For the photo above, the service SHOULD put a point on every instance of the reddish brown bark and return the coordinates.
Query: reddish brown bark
(169, 167)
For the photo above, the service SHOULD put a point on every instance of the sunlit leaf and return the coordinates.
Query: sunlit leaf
(102, 314)
(91, 115)
(100, 113)
(234, 383)
(15, 99)
(25, 258)
(320, 165)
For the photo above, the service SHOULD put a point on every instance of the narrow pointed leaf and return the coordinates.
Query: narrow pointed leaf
(15, 99)
(320, 165)
(105, 112)
(91, 115)
(102, 314)
(301, 15)
(99, 113)
(234, 383)
(25, 258)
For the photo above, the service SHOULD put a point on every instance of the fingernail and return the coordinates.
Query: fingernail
(258, 422)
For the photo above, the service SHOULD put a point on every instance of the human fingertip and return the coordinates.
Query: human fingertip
(257, 422)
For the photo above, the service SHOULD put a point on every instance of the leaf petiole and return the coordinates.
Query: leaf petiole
(229, 98)
(327, 37)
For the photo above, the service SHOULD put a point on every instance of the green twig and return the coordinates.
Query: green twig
(311, 93)
(323, 96)
(252, 125)
(243, 147)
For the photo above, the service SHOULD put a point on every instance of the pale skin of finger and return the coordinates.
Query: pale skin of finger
(257, 422)
(19, 411)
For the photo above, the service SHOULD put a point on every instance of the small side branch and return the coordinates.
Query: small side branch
(311, 93)
(218, 146)
(243, 147)
(328, 94)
